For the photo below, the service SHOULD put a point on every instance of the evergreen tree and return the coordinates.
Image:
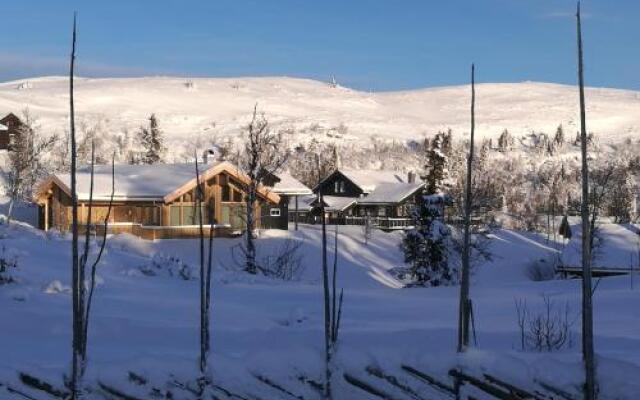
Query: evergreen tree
(425, 246)
(152, 141)
(436, 173)
(505, 142)
(559, 137)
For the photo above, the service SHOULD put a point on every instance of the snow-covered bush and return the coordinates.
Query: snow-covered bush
(171, 266)
(548, 329)
(8, 264)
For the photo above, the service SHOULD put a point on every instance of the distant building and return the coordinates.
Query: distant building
(290, 190)
(10, 128)
(350, 196)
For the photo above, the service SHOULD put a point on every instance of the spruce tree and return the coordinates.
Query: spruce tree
(559, 137)
(152, 141)
(425, 247)
(436, 173)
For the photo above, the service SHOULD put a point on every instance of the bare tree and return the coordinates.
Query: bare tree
(587, 305)
(262, 157)
(89, 225)
(25, 164)
(205, 285)
(464, 315)
(77, 284)
(332, 313)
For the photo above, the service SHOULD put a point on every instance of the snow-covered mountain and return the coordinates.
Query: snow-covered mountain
(311, 109)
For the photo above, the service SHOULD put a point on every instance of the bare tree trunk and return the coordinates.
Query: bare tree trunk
(464, 311)
(75, 278)
(251, 267)
(94, 266)
(327, 305)
(205, 286)
(587, 306)
(83, 261)
(296, 215)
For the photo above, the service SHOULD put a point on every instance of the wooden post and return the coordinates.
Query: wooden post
(46, 215)
(295, 217)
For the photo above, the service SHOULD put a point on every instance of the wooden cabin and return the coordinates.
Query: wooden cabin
(350, 196)
(152, 201)
(10, 128)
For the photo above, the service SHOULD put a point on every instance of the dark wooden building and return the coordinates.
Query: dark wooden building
(351, 196)
(10, 128)
(290, 190)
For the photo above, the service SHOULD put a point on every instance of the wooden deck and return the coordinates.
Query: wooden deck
(597, 271)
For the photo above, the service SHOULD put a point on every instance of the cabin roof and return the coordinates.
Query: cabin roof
(391, 193)
(337, 203)
(305, 203)
(157, 182)
(366, 179)
(288, 185)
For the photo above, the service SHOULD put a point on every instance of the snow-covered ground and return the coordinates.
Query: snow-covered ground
(312, 109)
(149, 324)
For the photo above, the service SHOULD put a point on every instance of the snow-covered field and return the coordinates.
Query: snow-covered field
(149, 324)
(188, 108)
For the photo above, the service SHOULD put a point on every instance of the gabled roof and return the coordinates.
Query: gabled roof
(391, 193)
(157, 182)
(288, 185)
(336, 203)
(305, 203)
(366, 179)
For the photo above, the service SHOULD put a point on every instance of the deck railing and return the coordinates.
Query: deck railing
(384, 223)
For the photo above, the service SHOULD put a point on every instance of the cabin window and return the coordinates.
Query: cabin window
(174, 215)
(237, 196)
(226, 193)
(341, 186)
(274, 212)
(336, 187)
(382, 211)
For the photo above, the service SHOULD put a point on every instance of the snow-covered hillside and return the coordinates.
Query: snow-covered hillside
(311, 109)
(146, 320)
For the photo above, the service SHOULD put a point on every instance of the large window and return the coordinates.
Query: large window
(189, 215)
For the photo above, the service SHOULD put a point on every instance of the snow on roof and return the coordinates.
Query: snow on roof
(369, 179)
(3, 128)
(338, 203)
(287, 184)
(304, 203)
(391, 193)
(148, 182)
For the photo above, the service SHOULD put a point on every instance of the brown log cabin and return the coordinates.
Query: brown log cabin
(152, 201)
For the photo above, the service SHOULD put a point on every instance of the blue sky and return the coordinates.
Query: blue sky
(367, 44)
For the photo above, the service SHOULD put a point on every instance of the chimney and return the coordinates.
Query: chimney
(207, 156)
(411, 177)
